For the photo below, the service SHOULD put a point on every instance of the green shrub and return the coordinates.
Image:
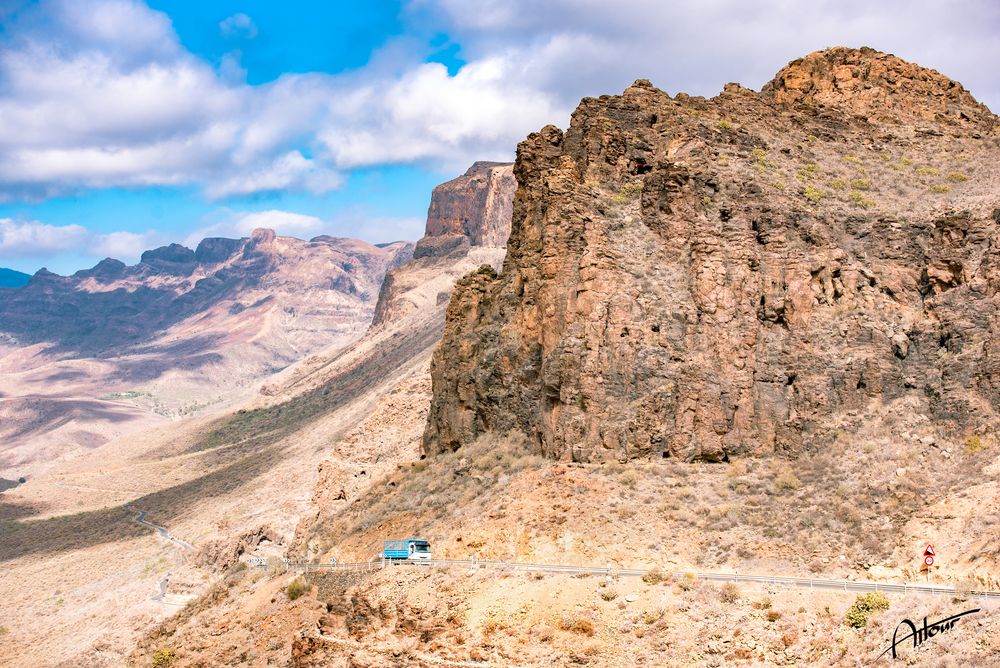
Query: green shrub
(838, 184)
(940, 188)
(813, 194)
(866, 605)
(861, 184)
(164, 658)
(725, 125)
(853, 159)
(974, 444)
(861, 201)
(627, 193)
(957, 177)
(296, 588)
(928, 171)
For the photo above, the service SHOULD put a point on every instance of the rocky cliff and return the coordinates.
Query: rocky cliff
(468, 220)
(699, 278)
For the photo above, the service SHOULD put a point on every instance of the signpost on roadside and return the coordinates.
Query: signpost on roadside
(929, 554)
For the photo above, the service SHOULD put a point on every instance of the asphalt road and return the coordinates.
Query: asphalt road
(807, 583)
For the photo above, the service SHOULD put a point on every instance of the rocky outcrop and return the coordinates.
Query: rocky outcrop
(470, 212)
(476, 206)
(700, 278)
(879, 87)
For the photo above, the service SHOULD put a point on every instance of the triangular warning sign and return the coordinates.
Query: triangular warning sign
(929, 552)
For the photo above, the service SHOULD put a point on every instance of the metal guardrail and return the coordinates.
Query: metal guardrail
(811, 583)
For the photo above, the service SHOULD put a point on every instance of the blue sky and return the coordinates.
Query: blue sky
(127, 125)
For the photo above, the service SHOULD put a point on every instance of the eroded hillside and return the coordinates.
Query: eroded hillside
(106, 351)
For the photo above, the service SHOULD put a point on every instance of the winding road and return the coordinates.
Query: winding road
(141, 519)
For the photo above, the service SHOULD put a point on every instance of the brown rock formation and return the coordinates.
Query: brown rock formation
(699, 278)
(476, 205)
(470, 212)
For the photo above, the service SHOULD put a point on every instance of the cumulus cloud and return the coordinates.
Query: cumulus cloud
(238, 25)
(124, 246)
(35, 239)
(573, 48)
(100, 93)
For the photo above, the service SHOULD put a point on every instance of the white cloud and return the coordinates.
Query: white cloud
(100, 93)
(124, 246)
(285, 172)
(35, 239)
(238, 25)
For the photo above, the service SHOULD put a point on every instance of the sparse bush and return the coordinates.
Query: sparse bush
(581, 625)
(853, 159)
(865, 605)
(813, 194)
(653, 576)
(861, 184)
(940, 188)
(780, 185)
(861, 201)
(974, 444)
(838, 184)
(629, 478)
(164, 658)
(928, 171)
(729, 593)
(786, 481)
(957, 177)
(609, 594)
(773, 615)
(725, 125)
(627, 193)
(763, 604)
(296, 588)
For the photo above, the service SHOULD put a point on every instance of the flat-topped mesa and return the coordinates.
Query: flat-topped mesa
(471, 210)
(877, 86)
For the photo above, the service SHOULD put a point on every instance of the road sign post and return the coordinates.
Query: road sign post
(929, 553)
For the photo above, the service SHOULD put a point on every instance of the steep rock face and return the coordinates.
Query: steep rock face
(702, 278)
(468, 219)
(476, 205)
